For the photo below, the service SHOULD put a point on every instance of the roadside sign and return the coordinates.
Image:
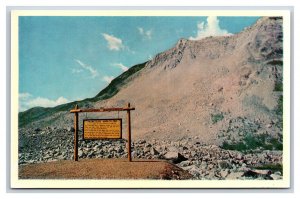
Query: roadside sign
(102, 129)
(94, 129)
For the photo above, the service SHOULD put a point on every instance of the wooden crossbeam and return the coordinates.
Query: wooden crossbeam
(101, 110)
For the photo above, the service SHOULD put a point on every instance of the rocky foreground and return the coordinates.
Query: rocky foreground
(204, 162)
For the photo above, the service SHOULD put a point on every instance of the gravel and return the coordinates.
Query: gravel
(204, 162)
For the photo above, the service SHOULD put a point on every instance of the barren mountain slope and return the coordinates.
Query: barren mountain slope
(215, 89)
(181, 90)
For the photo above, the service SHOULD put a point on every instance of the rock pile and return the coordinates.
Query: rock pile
(202, 161)
(212, 162)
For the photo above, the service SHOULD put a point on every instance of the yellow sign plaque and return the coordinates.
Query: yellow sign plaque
(102, 129)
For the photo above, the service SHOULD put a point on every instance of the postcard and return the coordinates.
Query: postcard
(150, 98)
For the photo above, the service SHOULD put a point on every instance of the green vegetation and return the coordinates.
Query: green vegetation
(278, 86)
(252, 142)
(275, 62)
(38, 113)
(217, 117)
(273, 167)
(279, 109)
(279, 112)
(115, 85)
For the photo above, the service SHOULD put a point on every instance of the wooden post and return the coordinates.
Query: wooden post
(76, 135)
(129, 133)
(76, 111)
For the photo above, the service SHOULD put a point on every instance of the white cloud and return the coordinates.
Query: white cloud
(94, 72)
(74, 70)
(28, 101)
(108, 79)
(121, 66)
(129, 50)
(147, 34)
(150, 57)
(45, 102)
(210, 28)
(114, 43)
(24, 95)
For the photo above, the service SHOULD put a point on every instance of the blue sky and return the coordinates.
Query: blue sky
(62, 59)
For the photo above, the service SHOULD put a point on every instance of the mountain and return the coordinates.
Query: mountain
(221, 90)
(27, 118)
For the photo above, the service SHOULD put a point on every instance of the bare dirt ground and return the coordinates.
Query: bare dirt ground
(103, 169)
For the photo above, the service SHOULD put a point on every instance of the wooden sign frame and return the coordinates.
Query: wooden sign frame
(100, 138)
(76, 111)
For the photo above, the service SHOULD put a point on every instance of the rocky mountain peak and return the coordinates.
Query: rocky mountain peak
(173, 56)
(264, 42)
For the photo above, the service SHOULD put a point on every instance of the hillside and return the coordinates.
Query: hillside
(27, 118)
(210, 88)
